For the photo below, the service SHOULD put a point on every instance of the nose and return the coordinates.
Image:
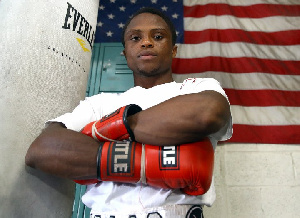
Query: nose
(147, 43)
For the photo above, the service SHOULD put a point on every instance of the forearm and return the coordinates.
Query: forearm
(183, 119)
(64, 153)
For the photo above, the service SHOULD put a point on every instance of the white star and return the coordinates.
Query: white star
(111, 16)
(133, 1)
(121, 25)
(164, 8)
(177, 33)
(100, 24)
(122, 8)
(175, 15)
(101, 7)
(109, 34)
(112, 1)
(153, 1)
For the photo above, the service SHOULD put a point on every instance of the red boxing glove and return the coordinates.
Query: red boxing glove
(188, 166)
(113, 127)
(110, 128)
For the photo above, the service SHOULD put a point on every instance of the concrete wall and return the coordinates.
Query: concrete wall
(256, 180)
(43, 73)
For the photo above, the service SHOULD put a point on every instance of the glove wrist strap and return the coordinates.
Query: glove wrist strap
(143, 167)
(128, 111)
(99, 161)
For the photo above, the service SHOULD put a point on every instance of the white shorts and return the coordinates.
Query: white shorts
(169, 211)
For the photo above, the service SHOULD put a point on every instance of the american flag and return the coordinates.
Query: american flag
(252, 47)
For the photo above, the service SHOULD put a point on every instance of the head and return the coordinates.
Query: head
(149, 45)
(152, 11)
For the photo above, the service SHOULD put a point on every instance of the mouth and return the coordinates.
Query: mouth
(147, 55)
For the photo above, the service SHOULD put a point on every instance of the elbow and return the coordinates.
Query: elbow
(41, 151)
(36, 155)
(216, 115)
(32, 156)
(213, 120)
(29, 160)
(212, 124)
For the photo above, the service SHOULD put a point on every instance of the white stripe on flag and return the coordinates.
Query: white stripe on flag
(238, 49)
(275, 115)
(267, 24)
(248, 81)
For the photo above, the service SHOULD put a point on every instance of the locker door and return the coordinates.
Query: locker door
(116, 76)
(109, 71)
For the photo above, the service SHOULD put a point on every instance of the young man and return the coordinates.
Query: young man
(171, 114)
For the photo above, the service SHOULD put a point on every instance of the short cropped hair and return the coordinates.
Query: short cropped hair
(156, 12)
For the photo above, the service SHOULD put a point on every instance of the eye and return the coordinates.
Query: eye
(158, 37)
(135, 38)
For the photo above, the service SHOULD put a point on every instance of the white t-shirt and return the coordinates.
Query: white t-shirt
(118, 197)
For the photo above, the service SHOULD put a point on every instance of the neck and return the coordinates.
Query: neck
(148, 82)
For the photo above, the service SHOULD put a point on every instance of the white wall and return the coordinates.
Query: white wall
(256, 180)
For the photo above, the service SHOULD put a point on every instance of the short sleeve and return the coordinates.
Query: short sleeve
(78, 118)
(196, 85)
(91, 109)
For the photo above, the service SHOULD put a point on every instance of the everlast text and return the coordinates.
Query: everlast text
(76, 22)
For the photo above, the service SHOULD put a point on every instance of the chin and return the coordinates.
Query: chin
(151, 73)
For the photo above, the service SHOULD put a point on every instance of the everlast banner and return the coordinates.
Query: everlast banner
(169, 157)
(46, 50)
(121, 159)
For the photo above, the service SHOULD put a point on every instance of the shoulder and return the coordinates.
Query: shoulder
(195, 85)
(199, 81)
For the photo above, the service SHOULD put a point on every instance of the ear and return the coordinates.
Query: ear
(124, 53)
(174, 51)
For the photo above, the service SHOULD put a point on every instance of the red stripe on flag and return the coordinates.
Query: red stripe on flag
(291, 37)
(235, 65)
(263, 98)
(266, 134)
(251, 11)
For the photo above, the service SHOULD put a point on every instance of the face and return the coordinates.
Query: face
(148, 45)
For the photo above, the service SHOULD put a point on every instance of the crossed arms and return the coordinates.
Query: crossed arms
(182, 119)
